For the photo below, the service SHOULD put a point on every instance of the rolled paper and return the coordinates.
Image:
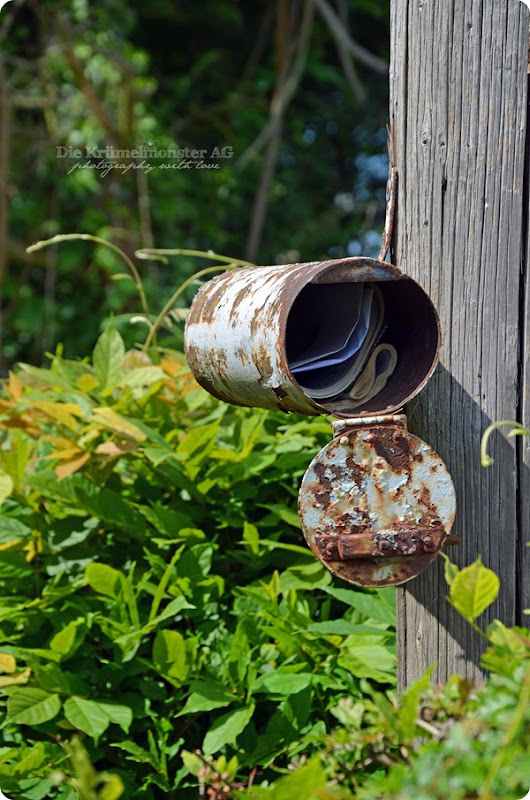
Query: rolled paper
(379, 367)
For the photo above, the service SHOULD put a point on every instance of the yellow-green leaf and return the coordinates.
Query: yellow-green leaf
(87, 382)
(473, 589)
(8, 663)
(104, 579)
(169, 654)
(13, 680)
(142, 376)
(64, 413)
(450, 570)
(71, 465)
(112, 421)
(6, 485)
(112, 789)
(67, 640)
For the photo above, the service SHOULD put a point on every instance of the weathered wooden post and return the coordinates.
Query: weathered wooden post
(459, 96)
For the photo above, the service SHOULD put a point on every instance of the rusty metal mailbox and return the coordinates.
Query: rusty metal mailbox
(376, 504)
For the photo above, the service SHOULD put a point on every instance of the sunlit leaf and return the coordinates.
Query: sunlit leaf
(112, 421)
(104, 579)
(473, 589)
(108, 355)
(6, 486)
(227, 728)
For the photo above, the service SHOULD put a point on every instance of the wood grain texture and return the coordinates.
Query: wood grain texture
(459, 116)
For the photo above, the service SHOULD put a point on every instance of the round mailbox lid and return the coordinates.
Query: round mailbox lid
(377, 503)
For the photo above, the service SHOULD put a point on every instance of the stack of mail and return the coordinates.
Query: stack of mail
(347, 321)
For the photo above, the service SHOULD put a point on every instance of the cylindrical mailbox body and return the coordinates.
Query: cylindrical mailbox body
(241, 324)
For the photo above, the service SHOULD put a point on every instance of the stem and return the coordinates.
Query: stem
(64, 237)
(486, 459)
(156, 324)
(476, 628)
(162, 586)
(153, 252)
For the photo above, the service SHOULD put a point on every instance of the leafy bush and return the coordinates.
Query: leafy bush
(457, 741)
(156, 597)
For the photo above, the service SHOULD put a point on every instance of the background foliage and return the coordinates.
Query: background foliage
(304, 118)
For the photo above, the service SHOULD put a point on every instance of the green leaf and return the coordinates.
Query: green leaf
(227, 728)
(206, 696)
(69, 639)
(410, 706)
(473, 589)
(6, 485)
(11, 529)
(369, 661)
(251, 537)
(118, 714)
(284, 513)
(282, 683)
(138, 753)
(372, 606)
(196, 446)
(142, 376)
(104, 579)
(28, 706)
(191, 761)
(308, 782)
(340, 627)
(108, 356)
(169, 654)
(87, 716)
(450, 570)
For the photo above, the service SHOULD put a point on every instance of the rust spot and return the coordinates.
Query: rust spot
(357, 471)
(219, 362)
(396, 455)
(280, 393)
(240, 296)
(345, 525)
(323, 499)
(261, 358)
(319, 469)
(336, 471)
(243, 355)
(207, 300)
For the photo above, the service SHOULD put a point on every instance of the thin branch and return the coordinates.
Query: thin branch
(259, 46)
(340, 34)
(83, 84)
(284, 93)
(346, 59)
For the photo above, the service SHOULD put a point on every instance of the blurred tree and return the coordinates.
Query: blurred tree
(288, 105)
